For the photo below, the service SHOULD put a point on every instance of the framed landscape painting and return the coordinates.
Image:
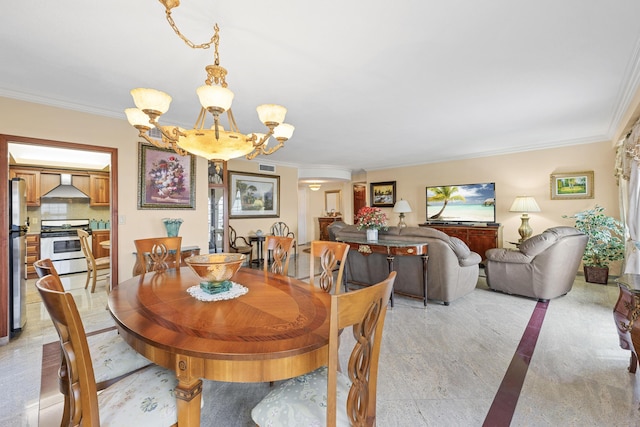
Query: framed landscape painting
(383, 194)
(573, 185)
(253, 195)
(166, 180)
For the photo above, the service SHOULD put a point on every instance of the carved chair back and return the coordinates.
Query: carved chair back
(328, 255)
(159, 253)
(365, 310)
(280, 249)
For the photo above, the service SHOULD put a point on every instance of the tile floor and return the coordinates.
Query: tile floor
(439, 367)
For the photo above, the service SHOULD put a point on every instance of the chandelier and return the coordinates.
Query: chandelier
(214, 143)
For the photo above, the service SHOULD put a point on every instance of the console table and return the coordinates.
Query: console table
(390, 249)
(478, 238)
(625, 315)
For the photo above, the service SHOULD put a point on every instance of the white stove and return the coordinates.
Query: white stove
(59, 241)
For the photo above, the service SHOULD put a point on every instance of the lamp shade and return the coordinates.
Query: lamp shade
(217, 97)
(524, 204)
(137, 118)
(151, 100)
(271, 113)
(283, 131)
(402, 206)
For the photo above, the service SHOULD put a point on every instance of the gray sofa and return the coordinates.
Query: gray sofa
(452, 269)
(543, 267)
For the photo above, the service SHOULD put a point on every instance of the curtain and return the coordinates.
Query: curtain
(628, 173)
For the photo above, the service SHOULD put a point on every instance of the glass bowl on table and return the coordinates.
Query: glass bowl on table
(215, 270)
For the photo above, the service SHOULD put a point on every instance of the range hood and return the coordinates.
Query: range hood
(65, 191)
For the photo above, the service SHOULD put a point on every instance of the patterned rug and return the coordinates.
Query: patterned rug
(225, 404)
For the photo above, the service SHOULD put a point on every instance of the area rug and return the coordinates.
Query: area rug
(225, 404)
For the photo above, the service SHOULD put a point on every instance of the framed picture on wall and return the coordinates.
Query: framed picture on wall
(383, 194)
(166, 180)
(572, 185)
(253, 195)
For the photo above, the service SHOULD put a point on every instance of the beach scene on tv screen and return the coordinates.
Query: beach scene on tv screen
(470, 202)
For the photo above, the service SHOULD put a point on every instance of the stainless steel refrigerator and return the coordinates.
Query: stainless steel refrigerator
(17, 255)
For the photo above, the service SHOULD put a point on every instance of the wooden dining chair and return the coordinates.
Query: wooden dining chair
(329, 255)
(282, 229)
(279, 250)
(328, 396)
(158, 253)
(144, 394)
(240, 244)
(94, 265)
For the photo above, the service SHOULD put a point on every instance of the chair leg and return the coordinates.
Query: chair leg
(95, 279)
(86, 284)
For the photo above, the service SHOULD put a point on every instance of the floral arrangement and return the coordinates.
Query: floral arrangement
(167, 177)
(371, 218)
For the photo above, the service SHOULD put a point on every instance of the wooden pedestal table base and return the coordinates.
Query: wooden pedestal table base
(279, 329)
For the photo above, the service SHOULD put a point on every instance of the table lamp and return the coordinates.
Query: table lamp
(524, 204)
(402, 207)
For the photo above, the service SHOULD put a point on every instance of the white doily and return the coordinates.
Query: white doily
(235, 291)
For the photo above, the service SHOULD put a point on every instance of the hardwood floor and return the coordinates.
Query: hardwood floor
(440, 366)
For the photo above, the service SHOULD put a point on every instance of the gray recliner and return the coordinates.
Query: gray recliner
(543, 267)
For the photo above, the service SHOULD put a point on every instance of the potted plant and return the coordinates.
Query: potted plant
(605, 245)
(373, 219)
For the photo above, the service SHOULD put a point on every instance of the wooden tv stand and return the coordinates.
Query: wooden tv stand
(478, 238)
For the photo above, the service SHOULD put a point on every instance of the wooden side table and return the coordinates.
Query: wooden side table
(259, 240)
(625, 316)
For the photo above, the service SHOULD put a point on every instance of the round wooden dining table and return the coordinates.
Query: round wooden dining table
(279, 329)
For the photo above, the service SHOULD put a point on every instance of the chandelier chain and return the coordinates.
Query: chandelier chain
(207, 45)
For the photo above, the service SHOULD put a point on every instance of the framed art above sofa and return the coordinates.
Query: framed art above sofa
(383, 194)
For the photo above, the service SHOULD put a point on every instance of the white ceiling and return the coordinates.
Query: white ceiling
(368, 84)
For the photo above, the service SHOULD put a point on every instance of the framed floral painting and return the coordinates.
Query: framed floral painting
(253, 195)
(166, 180)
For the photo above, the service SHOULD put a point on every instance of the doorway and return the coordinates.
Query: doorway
(359, 198)
(4, 220)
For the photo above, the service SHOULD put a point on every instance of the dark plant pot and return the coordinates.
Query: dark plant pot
(596, 274)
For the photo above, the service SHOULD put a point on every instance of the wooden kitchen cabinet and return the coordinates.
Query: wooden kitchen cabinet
(478, 238)
(99, 190)
(32, 180)
(98, 236)
(33, 254)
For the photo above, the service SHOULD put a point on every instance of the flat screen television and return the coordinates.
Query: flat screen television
(461, 204)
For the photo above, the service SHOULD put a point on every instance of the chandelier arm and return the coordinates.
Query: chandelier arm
(273, 149)
(263, 140)
(188, 42)
(166, 144)
(169, 141)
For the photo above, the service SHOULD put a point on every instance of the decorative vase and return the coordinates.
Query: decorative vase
(172, 225)
(372, 234)
(596, 274)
